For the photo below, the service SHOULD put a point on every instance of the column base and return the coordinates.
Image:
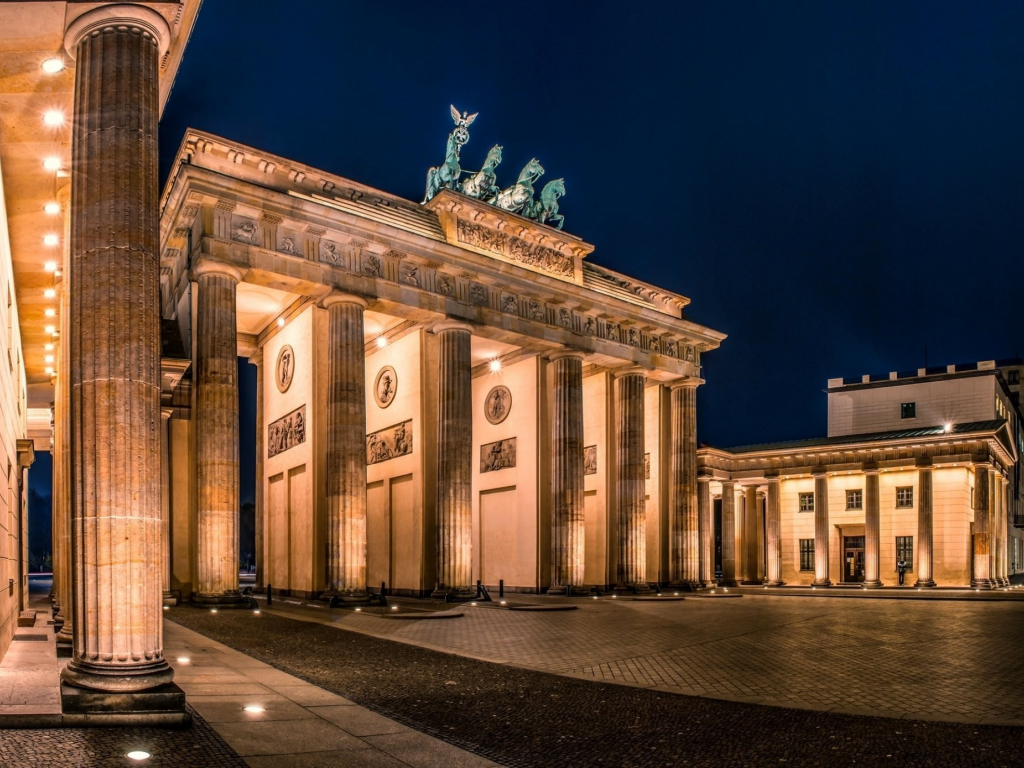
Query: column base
(928, 584)
(169, 598)
(227, 600)
(982, 584)
(163, 706)
(1004, 582)
(116, 679)
(58, 623)
(775, 583)
(872, 584)
(821, 583)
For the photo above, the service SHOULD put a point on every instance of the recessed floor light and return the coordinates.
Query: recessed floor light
(183, 659)
(254, 708)
(138, 754)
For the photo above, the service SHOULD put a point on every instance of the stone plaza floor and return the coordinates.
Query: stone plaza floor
(824, 663)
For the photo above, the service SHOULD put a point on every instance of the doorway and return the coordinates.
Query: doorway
(853, 559)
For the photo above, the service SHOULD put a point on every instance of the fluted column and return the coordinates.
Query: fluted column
(821, 530)
(924, 564)
(631, 483)
(257, 360)
(728, 533)
(217, 435)
(346, 446)
(567, 526)
(872, 534)
(454, 461)
(773, 534)
(751, 526)
(1001, 531)
(61, 499)
(1005, 525)
(982, 542)
(684, 519)
(165, 503)
(114, 363)
(706, 523)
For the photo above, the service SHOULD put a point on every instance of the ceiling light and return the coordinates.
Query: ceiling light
(51, 239)
(381, 342)
(50, 312)
(51, 67)
(280, 322)
(948, 428)
(48, 359)
(50, 266)
(48, 369)
(52, 163)
(49, 293)
(495, 365)
(52, 208)
(48, 347)
(53, 117)
(51, 329)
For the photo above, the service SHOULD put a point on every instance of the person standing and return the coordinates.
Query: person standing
(901, 569)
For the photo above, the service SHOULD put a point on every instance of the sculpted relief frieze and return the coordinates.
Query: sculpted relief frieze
(500, 454)
(516, 249)
(389, 443)
(287, 432)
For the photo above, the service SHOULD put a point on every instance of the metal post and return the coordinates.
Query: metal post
(501, 587)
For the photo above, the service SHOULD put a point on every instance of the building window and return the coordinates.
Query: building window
(1015, 398)
(806, 554)
(807, 502)
(855, 499)
(905, 550)
(908, 411)
(904, 497)
(1013, 377)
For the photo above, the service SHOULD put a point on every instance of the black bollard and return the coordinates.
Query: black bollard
(383, 588)
(270, 594)
(568, 590)
(501, 587)
(478, 588)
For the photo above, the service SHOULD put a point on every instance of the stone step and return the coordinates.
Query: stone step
(27, 619)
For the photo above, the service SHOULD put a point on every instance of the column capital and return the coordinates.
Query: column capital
(685, 382)
(869, 468)
(819, 472)
(208, 267)
(139, 17)
(633, 370)
(165, 413)
(772, 479)
(451, 325)
(343, 298)
(924, 462)
(563, 354)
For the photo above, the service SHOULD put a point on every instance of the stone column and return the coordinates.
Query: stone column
(773, 534)
(751, 515)
(1005, 528)
(346, 447)
(114, 362)
(684, 518)
(61, 499)
(261, 428)
(1001, 531)
(872, 535)
(982, 543)
(217, 436)
(631, 483)
(923, 564)
(567, 526)
(165, 504)
(821, 529)
(729, 533)
(706, 524)
(454, 461)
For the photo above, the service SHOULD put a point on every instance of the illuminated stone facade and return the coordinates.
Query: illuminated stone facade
(923, 466)
(450, 362)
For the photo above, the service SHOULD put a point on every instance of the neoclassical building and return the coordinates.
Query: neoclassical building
(447, 392)
(921, 465)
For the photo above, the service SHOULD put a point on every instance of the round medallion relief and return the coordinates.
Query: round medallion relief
(385, 386)
(285, 368)
(498, 404)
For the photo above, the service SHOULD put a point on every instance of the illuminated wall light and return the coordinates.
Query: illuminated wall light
(51, 240)
(48, 369)
(53, 117)
(51, 208)
(52, 163)
(50, 266)
(50, 293)
(381, 342)
(51, 329)
(53, 66)
(48, 347)
(50, 312)
(48, 359)
(495, 365)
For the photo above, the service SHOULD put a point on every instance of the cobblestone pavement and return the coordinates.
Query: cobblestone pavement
(523, 717)
(196, 747)
(915, 659)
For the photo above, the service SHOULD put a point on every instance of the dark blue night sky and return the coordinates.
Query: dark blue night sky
(836, 185)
